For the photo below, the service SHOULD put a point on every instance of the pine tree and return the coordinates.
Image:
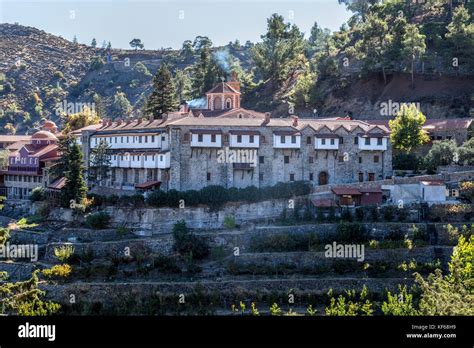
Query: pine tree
(99, 167)
(163, 98)
(64, 147)
(74, 40)
(205, 73)
(94, 43)
(413, 46)
(75, 188)
(136, 43)
(277, 57)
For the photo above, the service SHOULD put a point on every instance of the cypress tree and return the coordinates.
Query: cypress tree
(163, 98)
(75, 187)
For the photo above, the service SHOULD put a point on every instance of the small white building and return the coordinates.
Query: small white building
(433, 191)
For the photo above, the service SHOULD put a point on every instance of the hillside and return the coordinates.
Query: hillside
(39, 70)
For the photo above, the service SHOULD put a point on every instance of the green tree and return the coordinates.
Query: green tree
(375, 43)
(466, 152)
(182, 81)
(442, 153)
(100, 110)
(64, 147)
(318, 39)
(163, 97)
(204, 74)
(24, 298)
(201, 42)
(75, 187)
(360, 7)
(85, 117)
(406, 129)
(94, 43)
(99, 166)
(121, 105)
(275, 57)
(399, 304)
(136, 44)
(460, 36)
(187, 50)
(452, 294)
(413, 46)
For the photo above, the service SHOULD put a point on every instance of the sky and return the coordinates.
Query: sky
(167, 23)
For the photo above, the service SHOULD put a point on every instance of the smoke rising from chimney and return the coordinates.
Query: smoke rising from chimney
(223, 59)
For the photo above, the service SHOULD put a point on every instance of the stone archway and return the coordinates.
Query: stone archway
(323, 178)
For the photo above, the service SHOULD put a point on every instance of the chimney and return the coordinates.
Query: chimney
(110, 122)
(119, 122)
(128, 121)
(234, 82)
(184, 107)
(139, 121)
(295, 121)
(267, 118)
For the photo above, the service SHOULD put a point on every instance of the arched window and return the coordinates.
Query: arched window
(228, 103)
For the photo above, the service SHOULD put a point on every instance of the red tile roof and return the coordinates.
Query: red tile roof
(58, 184)
(223, 87)
(148, 184)
(323, 203)
(352, 191)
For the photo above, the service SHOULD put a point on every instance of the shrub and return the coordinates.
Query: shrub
(43, 210)
(319, 215)
(402, 214)
(347, 232)
(186, 243)
(283, 242)
(229, 222)
(374, 212)
(406, 161)
(420, 233)
(395, 234)
(96, 63)
(373, 244)
(399, 304)
(97, 220)
(388, 213)
(58, 271)
(137, 200)
(141, 68)
(346, 215)
(4, 234)
(58, 74)
(37, 194)
(215, 196)
(359, 214)
(166, 265)
(64, 252)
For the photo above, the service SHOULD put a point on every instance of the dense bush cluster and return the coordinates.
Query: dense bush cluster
(98, 220)
(212, 196)
(187, 243)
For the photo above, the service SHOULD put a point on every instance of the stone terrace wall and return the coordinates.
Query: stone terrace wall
(149, 221)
